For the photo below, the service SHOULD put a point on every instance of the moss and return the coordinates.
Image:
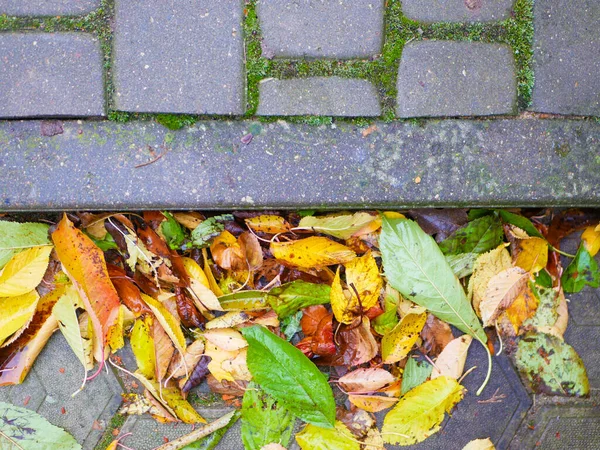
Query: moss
(116, 422)
(175, 121)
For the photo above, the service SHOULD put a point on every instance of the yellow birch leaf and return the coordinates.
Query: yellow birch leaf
(226, 338)
(268, 223)
(591, 240)
(502, 290)
(312, 252)
(340, 226)
(16, 312)
(420, 412)
(486, 267)
(396, 345)
(24, 271)
(142, 344)
(168, 322)
(532, 254)
(480, 444)
(451, 362)
(114, 338)
(372, 403)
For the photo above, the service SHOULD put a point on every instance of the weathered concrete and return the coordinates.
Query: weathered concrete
(339, 29)
(567, 57)
(436, 163)
(50, 75)
(47, 7)
(457, 10)
(56, 374)
(319, 96)
(179, 57)
(444, 78)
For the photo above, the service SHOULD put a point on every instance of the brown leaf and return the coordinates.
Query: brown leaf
(225, 387)
(358, 421)
(366, 380)
(127, 290)
(436, 334)
(189, 315)
(439, 222)
(51, 128)
(227, 252)
(163, 349)
(357, 345)
(252, 250)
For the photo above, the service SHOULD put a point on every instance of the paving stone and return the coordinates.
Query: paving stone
(56, 374)
(318, 96)
(444, 78)
(457, 10)
(47, 7)
(179, 56)
(567, 57)
(92, 165)
(50, 75)
(339, 29)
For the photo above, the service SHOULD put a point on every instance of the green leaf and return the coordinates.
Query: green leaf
(415, 374)
(317, 438)
(172, 231)
(15, 237)
(23, 429)
(552, 366)
(291, 325)
(340, 226)
(546, 313)
(291, 297)
(211, 227)
(290, 377)
(522, 222)
(264, 420)
(244, 301)
(415, 266)
(211, 441)
(386, 322)
(462, 264)
(544, 279)
(583, 271)
(420, 412)
(478, 236)
(477, 213)
(105, 244)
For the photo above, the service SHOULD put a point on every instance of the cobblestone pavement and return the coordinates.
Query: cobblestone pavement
(273, 92)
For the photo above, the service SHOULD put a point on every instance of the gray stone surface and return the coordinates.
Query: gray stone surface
(457, 10)
(50, 75)
(92, 165)
(47, 7)
(319, 96)
(179, 56)
(56, 374)
(444, 78)
(567, 57)
(339, 29)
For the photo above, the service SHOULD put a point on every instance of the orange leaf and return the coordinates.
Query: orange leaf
(85, 265)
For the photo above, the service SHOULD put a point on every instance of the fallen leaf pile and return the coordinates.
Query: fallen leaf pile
(276, 312)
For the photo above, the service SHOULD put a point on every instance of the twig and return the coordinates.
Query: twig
(197, 434)
(496, 398)
(153, 160)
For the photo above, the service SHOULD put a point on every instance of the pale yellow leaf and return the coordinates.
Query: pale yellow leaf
(480, 444)
(16, 312)
(227, 320)
(372, 403)
(24, 271)
(312, 252)
(366, 380)
(502, 290)
(373, 440)
(451, 362)
(199, 288)
(269, 224)
(591, 240)
(183, 365)
(226, 338)
(396, 345)
(313, 437)
(486, 267)
(237, 367)
(168, 322)
(218, 357)
(339, 226)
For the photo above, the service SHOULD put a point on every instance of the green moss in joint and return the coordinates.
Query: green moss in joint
(175, 121)
(116, 423)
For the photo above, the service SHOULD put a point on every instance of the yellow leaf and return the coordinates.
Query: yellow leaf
(591, 240)
(396, 345)
(142, 344)
(168, 322)
(502, 290)
(480, 444)
(486, 267)
(184, 364)
(227, 252)
(312, 252)
(269, 224)
(228, 320)
(114, 338)
(451, 361)
(339, 226)
(214, 286)
(199, 289)
(420, 412)
(195, 271)
(226, 339)
(340, 301)
(532, 254)
(218, 357)
(520, 310)
(16, 312)
(372, 403)
(237, 367)
(24, 271)
(313, 437)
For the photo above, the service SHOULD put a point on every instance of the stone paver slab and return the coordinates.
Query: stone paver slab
(50, 75)
(339, 29)
(443, 78)
(56, 374)
(319, 96)
(567, 57)
(47, 7)
(179, 56)
(457, 10)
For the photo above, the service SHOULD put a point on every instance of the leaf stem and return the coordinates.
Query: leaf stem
(560, 252)
(489, 372)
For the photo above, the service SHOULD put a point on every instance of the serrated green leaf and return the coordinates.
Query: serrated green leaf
(290, 377)
(23, 429)
(386, 322)
(316, 438)
(15, 237)
(291, 297)
(172, 231)
(583, 271)
(264, 420)
(415, 266)
(211, 227)
(340, 226)
(544, 279)
(522, 222)
(415, 374)
(420, 412)
(478, 236)
(552, 366)
(291, 325)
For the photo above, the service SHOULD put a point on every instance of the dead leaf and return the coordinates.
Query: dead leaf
(486, 267)
(591, 240)
(368, 131)
(502, 290)
(312, 252)
(372, 403)
(396, 345)
(436, 334)
(269, 224)
(366, 380)
(226, 339)
(451, 362)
